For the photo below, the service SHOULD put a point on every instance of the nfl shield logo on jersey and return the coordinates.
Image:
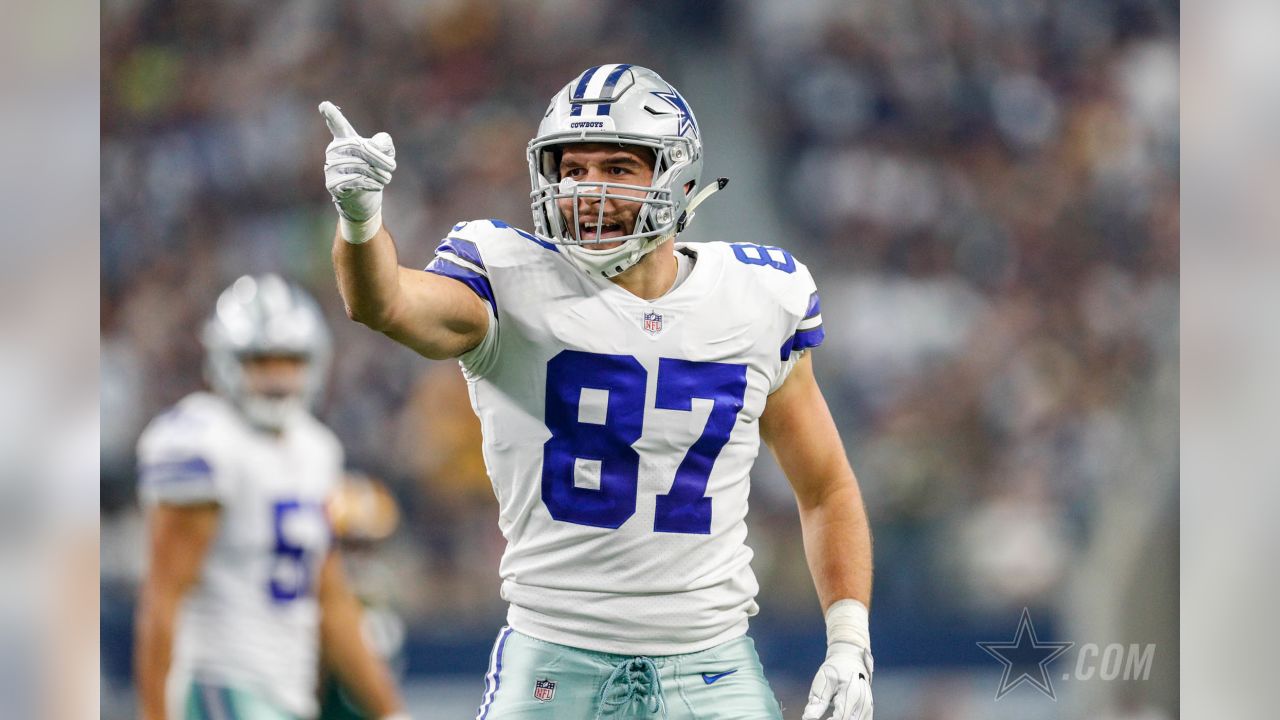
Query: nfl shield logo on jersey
(652, 323)
(544, 690)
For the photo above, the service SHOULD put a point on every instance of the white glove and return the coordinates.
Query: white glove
(356, 169)
(844, 680)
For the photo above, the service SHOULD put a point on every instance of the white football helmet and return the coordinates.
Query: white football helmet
(627, 105)
(265, 315)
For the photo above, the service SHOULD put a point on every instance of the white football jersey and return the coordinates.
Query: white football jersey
(252, 621)
(619, 433)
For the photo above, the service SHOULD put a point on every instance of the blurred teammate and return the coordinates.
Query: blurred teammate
(623, 382)
(243, 596)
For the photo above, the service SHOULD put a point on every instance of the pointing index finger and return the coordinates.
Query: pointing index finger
(338, 125)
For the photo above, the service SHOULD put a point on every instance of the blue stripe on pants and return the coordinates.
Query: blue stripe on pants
(494, 678)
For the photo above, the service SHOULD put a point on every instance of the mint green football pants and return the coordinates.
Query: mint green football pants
(210, 702)
(531, 679)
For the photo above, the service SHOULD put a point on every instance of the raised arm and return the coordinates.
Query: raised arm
(434, 315)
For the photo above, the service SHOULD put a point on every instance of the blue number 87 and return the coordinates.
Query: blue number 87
(683, 509)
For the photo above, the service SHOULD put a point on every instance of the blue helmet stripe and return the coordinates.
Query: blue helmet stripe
(609, 83)
(582, 83)
(612, 80)
(581, 90)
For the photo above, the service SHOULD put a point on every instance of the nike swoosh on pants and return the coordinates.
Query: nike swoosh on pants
(708, 678)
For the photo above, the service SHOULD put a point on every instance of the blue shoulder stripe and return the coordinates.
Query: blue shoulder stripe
(814, 306)
(478, 283)
(526, 235)
(193, 468)
(464, 249)
(802, 340)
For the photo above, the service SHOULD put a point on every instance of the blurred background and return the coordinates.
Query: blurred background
(986, 191)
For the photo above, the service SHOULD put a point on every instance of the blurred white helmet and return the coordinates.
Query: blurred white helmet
(627, 105)
(260, 316)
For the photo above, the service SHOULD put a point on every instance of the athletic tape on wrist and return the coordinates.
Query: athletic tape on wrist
(358, 233)
(847, 621)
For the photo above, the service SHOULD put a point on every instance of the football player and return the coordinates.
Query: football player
(243, 597)
(623, 381)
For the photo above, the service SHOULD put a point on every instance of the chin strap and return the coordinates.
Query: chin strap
(687, 216)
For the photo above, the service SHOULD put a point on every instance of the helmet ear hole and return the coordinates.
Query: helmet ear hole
(552, 169)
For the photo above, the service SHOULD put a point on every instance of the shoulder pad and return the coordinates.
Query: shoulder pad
(325, 438)
(497, 235)
(774, 270)
(180, 451)
(790, 284)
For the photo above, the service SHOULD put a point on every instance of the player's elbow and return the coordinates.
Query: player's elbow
(372, 320)
(436, 352)
(831, 489)
(431, 345)
(375, 317)
(355, 313)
